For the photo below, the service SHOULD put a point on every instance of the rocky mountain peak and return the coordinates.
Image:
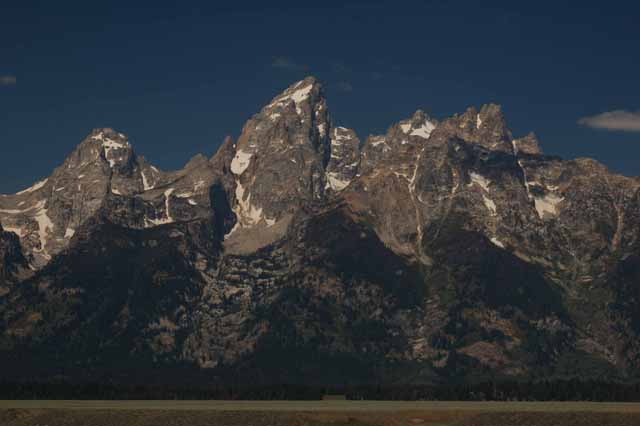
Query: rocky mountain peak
(492, 112)
(114, 147)
(303, 101)
(492, 130)
(224, 156)
(97, 145)
(419, 124)
(295, 242)
(302, 91)
(196, 161)
(398, 150)
(281, 156)
(105, 154)
(486, 128)
(419, 118)
(527, 145)
(46, 215)
(344, 162)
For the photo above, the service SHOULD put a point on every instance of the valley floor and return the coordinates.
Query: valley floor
(315, 413)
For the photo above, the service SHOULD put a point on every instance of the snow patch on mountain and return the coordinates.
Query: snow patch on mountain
(295, 94)
(424, 131)
(547, 205)
(167, 213)
(489, 204)
(335, 183)
(300, 95)
(480, 180)
(145, 182)
(497, 242)
(274, 116)
(45, 226)
(110, 144)
(167, 200)
(321, 129)
(378, 140)
(33, 188)
(247, 213)
(514, 144)
(337, 137)
(112, 148)
(240, 162)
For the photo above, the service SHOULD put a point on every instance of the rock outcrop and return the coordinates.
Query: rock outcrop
(444, 249)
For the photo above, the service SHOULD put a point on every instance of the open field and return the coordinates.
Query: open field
(316, 413)
(327, 406)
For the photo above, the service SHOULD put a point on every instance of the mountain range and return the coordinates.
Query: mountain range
(444, 250)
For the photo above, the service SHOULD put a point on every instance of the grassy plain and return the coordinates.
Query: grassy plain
(330, 413)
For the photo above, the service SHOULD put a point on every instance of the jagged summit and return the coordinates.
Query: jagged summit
(420, 117)
(486, 128)
(443, 248)
(299, 90)
(303, 97)
(491, 110)
(527, 145)
(101, 177)
(287, 155)
(107, 137)
(100, 133)
(344, 161)
(281, 157)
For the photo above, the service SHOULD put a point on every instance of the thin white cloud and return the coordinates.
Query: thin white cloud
(619, 120)
(8, 80)
(284, 62)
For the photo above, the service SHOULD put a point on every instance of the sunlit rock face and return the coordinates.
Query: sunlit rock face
(281, 157)
(445, 248)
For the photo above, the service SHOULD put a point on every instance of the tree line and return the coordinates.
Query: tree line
(556, 390)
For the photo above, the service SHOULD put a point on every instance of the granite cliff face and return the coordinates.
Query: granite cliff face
(443, 250)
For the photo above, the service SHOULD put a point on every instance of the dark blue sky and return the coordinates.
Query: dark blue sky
(178, 77)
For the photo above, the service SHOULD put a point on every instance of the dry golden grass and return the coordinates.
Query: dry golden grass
(265, 413)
